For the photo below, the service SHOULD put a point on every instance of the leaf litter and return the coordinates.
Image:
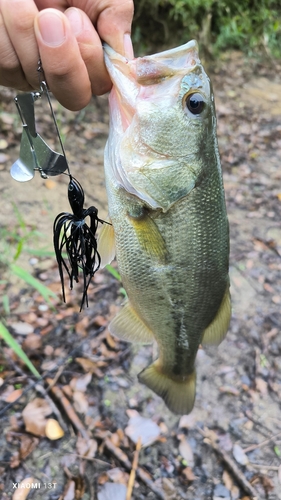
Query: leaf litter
(228, 445)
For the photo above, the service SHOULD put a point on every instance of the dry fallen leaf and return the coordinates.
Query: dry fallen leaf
(27, 445)
(261, 385)
(53, 429)
(249, 425)
(144, 428)
(23, 489)
(33, 341)
(34, 416)
(227, 479)
(117, 475)
(15, 460)
(168, 487)
(13, 396)
(80, 402)
(116, 439)
(69, 491)
(111, 341)
(112, 491)
(188, 474)
(100, 320)
(225, 441)
(235, 492)
(185, 451)
(81, 383)
(8, 391)
(22, 328)
(81, 326)
(187, 421)
(229, 389)
(103, 478)
(239, 455)
(107, 353)
(3, 144)
(14, 423)
(88, 365)
(86, 447)
(4, 157)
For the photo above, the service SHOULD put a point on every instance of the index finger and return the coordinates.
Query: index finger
(114, 26)
(111, 18)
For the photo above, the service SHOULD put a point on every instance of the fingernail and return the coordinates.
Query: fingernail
(51, 27)
(128, 46)
(76, 20)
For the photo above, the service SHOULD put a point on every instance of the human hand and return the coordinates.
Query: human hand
(66, 35)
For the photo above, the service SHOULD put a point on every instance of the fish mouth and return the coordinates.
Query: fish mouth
(122, 99)
(133, 78)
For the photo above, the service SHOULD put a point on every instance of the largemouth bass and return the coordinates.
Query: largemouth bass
(167, 208)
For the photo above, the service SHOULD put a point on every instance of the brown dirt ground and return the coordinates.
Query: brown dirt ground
(238, 389)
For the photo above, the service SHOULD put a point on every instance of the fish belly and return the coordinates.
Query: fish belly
(177, 293)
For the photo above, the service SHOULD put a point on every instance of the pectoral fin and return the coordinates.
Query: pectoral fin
(179, 396)
(216, 331)
(106, 245)
(128, 326)
(149, 236)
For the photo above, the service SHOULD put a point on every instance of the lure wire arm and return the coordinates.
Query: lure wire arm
(44, 90)
(35, 154)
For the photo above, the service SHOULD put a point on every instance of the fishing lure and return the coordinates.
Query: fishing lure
(71, 233)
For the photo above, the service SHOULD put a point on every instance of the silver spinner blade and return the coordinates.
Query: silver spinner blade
(35, 154)
(24, 168)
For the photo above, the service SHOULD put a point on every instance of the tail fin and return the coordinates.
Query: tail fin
(178, 396)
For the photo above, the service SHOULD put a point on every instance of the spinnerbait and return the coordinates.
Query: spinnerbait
(71, 234)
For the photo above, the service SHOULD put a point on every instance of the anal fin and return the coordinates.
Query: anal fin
(179, 396)
(129, 327)
(216, 331)
(106, 245)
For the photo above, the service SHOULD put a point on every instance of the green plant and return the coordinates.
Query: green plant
(11, 342)
(249, 25)
(33, 282)
(13, 242)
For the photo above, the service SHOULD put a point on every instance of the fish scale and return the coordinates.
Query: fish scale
(169, 220)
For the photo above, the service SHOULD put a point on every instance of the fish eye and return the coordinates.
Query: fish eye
(195, 103)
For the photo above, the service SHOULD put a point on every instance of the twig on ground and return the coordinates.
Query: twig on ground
(260, 445)
(42, 390)
(237, 473)
(140, 473)
(265, 467)
(132, 477)
(259, 424)
(102, 463)
(60, 371)
(57, 392)
(117, 452)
